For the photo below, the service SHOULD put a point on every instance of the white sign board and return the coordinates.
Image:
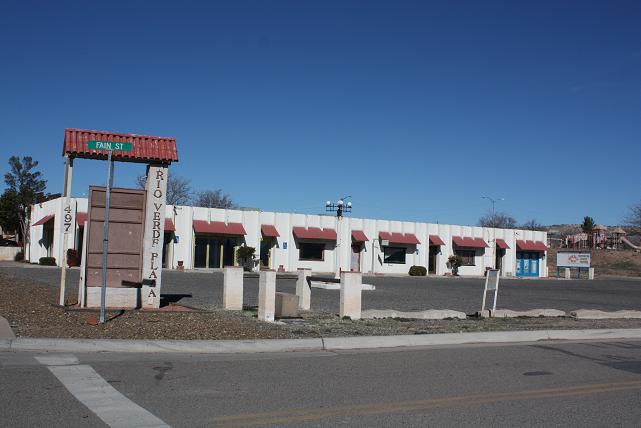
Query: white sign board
(491, 284)
(573, 259)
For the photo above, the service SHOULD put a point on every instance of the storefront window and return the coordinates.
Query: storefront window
(467, 256)
(311, 251)
(394, 255)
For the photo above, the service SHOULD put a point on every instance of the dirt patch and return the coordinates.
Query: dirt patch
(29, 307)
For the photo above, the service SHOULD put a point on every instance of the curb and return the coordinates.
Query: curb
(303, 345)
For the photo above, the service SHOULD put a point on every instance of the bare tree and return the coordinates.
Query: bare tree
(498, 220)
(633, 218)
(213, 199)
(532, 225)
(178, 189)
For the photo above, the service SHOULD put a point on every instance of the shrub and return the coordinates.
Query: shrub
(72, 258)
(418, 271)
(19, 257)
(455, 262)
(245, 257)
(47, 261)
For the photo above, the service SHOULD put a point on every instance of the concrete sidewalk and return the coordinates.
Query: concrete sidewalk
(306, 345)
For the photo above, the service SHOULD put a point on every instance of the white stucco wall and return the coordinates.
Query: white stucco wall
(336, 255)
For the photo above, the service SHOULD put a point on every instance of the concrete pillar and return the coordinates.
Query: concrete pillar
(266, 295)
(567, 273)
(351, 288)
(233, 288)
(591, 273)
(304, 289)
(153, 240)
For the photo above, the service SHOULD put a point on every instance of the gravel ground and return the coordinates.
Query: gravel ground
(30, 308)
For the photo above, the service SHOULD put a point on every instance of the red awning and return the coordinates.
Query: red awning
(145, 148)
(169, 225)
(466, 242)
(219, 228)
(44, 219)
(502, 244)
(359, 236)
(436, 240)
(531, 246)
(269, 231)
(81, 218)
(399, 238)
(315, 233)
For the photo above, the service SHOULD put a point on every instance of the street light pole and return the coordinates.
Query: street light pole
(340, 207)
(493, 201)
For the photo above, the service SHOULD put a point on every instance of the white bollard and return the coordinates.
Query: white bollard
(233, 289)
(591, 273)
(266, 295)
(567, 273)
(351, 289)
(304, 290)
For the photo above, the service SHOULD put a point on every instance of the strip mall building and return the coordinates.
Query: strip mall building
(203, 238)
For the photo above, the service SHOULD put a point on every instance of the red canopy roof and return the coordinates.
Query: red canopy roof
(531, 246)
(269, 231)
(315, 233)
(81, 218)
(399, 238)
(219, 228)
(359, 236)
(44, 219)
(169, 225)
(436, 240)
(466, 242)
(502, 244)
(145, 148)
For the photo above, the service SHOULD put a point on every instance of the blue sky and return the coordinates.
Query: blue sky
(416, 109)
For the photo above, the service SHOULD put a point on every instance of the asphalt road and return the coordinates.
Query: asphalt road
(541, 384)
(204, 290)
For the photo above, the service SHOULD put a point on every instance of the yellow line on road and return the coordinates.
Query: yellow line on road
(300, 415)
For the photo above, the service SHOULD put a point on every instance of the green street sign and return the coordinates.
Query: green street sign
(110, 145)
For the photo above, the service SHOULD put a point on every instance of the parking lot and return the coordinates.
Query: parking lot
(204, 290)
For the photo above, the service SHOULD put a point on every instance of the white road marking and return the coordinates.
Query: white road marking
(93, 391)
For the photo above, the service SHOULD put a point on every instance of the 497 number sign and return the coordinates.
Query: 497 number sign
(68, 218)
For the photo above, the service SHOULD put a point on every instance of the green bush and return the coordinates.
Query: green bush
(455, 262)
(245, 257)
(418, 271)
(47, 261)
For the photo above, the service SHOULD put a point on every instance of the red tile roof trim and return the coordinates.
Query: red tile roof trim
(359, 236)
(315, 233)
(399, 238)
(44, 219)
(531, 246)
(169, 225)
(466, 242)
(436, 240)
(269, 231)
(145, 148)
(502, 244)
(219, 228)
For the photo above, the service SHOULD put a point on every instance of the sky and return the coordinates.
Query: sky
(415, 109)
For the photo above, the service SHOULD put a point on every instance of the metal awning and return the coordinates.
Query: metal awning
(502, 244)
(219, 228)
(44, 219)
(169, 225)
(531, 246)
(359, 236)
(314, 233)
(466, 242)
(269, 231)
(399, 238)
(436, 240)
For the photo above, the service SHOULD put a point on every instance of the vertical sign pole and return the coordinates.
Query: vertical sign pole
(105, 239)
(68, 215)
(484, 295)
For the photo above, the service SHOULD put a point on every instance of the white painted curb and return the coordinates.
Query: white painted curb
(302, 345)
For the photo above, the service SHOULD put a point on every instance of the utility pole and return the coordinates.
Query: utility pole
(340, 207)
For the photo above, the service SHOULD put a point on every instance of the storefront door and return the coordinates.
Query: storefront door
(431, 262)
(356, 258)
(527, 263)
